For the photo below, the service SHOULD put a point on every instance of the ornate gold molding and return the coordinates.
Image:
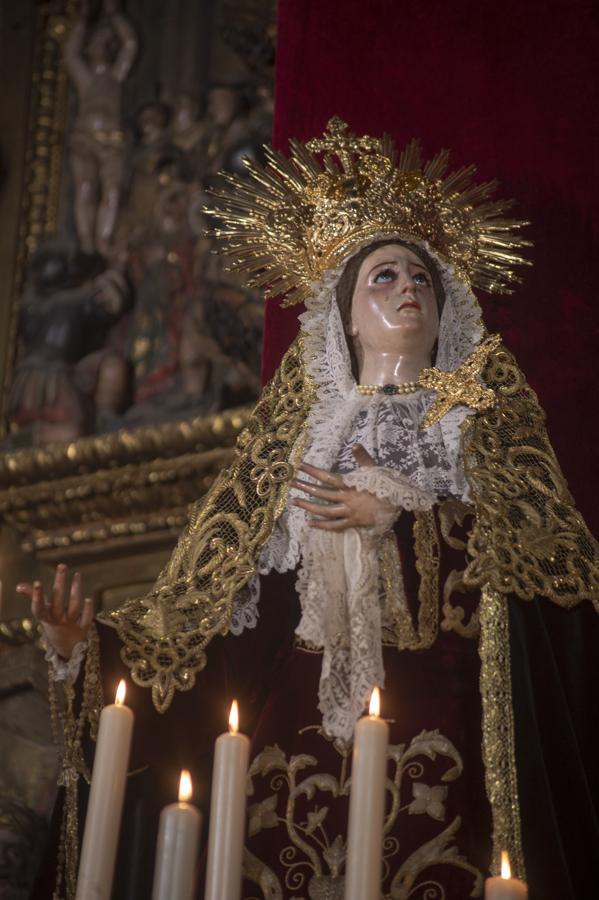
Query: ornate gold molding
(20, 631)
(117, 488)
(138, 445)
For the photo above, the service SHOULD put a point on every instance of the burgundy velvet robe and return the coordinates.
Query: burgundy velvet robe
(555, 692)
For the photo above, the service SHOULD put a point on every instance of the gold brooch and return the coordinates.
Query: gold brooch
(461, 387)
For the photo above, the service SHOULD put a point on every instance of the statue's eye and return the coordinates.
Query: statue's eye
(385, 276)
(421, 278)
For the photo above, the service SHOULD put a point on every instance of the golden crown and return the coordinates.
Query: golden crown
(293, 218)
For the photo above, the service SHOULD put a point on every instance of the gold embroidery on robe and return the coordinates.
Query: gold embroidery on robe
(299, 800)
(528, 538)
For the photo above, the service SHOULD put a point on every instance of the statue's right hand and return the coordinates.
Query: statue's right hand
(64, 616)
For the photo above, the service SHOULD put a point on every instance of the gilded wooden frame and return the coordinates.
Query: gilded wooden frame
(98, 494)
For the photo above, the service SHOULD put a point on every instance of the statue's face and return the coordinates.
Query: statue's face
(394, 307)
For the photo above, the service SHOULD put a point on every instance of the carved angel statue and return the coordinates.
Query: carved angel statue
(394, 516)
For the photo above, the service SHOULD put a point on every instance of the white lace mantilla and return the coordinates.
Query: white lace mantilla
(338, 576)
(338, 583)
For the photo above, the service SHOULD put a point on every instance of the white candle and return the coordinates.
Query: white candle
(103, 820)
(227, 813)
(367, 806)
(504, 887)
(177, 848)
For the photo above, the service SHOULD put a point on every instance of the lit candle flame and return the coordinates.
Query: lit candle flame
(185, 788)
(506, 870)
(375, 703)
(234, 718)
(120, 692)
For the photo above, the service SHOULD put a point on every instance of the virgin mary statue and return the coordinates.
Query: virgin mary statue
(394, 516)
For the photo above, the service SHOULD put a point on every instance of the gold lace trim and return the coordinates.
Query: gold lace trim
(527, 539)
(165, 633)
(499, 753)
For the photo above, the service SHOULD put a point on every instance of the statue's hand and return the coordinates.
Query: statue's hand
(337, 506)
(65, 617)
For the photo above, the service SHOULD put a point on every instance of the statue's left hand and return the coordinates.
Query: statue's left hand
(337, 506)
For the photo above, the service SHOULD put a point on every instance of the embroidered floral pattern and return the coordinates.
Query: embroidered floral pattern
(301, 799)
(428, 801)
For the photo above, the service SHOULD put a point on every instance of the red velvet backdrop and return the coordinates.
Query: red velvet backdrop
(513, 87)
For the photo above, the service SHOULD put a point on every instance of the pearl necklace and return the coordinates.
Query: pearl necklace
(408, 387)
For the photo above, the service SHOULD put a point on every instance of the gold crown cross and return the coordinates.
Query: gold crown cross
(343, 144)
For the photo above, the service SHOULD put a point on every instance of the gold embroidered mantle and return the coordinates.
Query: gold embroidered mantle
(527, 540)
(165, 633)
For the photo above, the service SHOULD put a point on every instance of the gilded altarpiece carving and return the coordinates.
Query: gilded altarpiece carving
(129, 357)
(132, 109)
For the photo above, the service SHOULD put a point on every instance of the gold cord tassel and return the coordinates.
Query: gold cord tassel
(68, 729)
